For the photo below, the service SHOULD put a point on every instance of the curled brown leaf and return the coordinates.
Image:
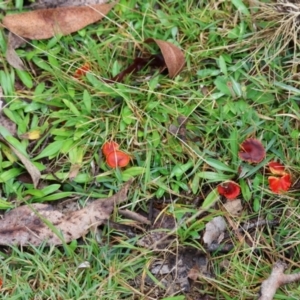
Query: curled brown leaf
(41, 223)
(45, 23)
(11, 55)
(173, 56)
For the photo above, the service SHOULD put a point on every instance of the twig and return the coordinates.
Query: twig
(276, 280)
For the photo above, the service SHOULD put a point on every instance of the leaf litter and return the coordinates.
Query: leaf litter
(46, 215)
(37, 224)
(46, 23)
(171, 57)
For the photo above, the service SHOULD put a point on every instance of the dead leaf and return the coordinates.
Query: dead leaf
(59, 3)
(213, 230)
(74, 170)
(194, 273)
(170, 57)
(40, 223)
(11, 55)
(45, 23)
(234, 207)
(33, 171)
(8, 124)
(84, 265)
(173, 56)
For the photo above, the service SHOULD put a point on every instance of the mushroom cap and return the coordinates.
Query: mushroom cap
(280, 184)
(229, 189)
(252, 150)
(117, 158)
(276, 168)
(109, 147)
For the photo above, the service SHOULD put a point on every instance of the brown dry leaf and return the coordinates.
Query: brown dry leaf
(59, 3)
(74, 170)
(194, 273)
(234, 207)
(173, 56)
(214, 230)
(45, 23)
(11, 55)
(33, 171)
(40, 223)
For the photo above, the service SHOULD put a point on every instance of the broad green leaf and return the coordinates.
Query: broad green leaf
(87, 101)
(210, 199)
(132, 172)
(11, 173)
(7, 82)
(218, 165)
(256, 204)
(195, 184)
(51, 150)
(25, 77)
(12, 141)
(222, 85)
(5, 205)
(34, 192)
(180, 169)
(245, 190)
(214, 177)
(234, 146)
(57, 196)
(50, 189)
(174, 298)
(286, 87)
(127, 115)
(76, 155)
(72, 107)
(222, 65)
(239, 4)
(42, 64)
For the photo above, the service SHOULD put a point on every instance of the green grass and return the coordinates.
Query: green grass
(240, 80)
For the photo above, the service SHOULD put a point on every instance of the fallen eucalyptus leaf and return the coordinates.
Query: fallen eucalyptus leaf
(33, 171)
(213, 230)
(234, 207)
(6, 136)
(45, 23)
(59, 3)
(173, 56)
(11, 55)
(40, 223)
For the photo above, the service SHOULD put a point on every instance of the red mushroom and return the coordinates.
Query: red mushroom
(82, 70)
(281, 184)
(109, 147)
(252, 150)
(229, 189)
(117, 158)
(276, 168)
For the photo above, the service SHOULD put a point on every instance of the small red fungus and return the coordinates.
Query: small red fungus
(276, 168)
(252, 150)
(229, 189)
(81, 71)
(281, 184)
(117, 158)
(109, 147)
